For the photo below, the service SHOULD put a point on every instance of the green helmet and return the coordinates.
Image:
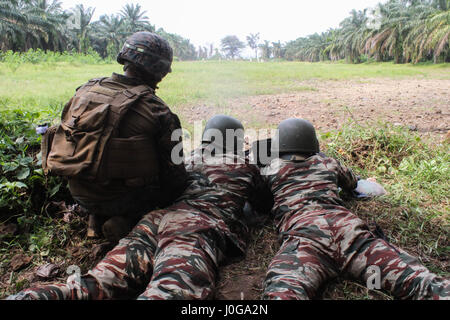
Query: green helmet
(219, 131)
(295, 136)
(148, 52)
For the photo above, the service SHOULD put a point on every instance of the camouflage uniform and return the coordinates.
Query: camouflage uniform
(322, 239)
(174, 253)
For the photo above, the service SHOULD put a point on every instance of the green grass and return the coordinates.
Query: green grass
(416, 175)
(42, 86)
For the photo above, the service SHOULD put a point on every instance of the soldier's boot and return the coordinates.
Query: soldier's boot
(62, 291)
(117, 228)
(94, 224)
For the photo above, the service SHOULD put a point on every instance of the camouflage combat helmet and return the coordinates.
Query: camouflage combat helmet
(228, 127)
(148, 52)
(295, 136)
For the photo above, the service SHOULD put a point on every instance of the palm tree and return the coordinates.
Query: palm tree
(110, 29)
(47, 19)
(266, 50)
(79, 24)
(28, 24)
(277, 50)
(352, 34)
(12, 22)
(388, 40)
(403, 30)
(252, 41)
(334, 50)
(135, 19)
(429, 36)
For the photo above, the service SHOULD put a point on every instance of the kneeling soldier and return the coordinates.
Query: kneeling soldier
(114, 142)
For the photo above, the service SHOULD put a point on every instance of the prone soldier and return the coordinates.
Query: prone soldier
(320, 238)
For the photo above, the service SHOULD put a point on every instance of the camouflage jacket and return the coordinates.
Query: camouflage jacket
(151, 117)
(220, 186)
(300, 185)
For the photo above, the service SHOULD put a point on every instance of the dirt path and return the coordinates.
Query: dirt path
(421, 105)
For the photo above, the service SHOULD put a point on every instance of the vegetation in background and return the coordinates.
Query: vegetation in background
(231, 46)
(397, 30)
(43, 24)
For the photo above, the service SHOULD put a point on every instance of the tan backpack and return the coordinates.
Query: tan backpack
(83, 144)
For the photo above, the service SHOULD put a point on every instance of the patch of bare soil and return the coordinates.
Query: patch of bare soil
(243, 280)
(421, 105)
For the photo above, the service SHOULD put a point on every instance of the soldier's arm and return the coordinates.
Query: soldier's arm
(173, 176)
(347, 180)
(261, 199)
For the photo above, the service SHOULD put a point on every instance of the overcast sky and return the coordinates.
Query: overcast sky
(208, 21)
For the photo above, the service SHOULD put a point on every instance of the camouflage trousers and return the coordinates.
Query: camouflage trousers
(170, 254)
(318, 246)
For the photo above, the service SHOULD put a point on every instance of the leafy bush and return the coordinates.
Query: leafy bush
(24, 188)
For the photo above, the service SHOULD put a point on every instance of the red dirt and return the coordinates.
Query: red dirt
(421, 105)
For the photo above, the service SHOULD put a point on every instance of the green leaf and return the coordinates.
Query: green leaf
(55, 189)
(9, 166)
(23, 173)
(20, 184)
(13, 185)
(26, 161)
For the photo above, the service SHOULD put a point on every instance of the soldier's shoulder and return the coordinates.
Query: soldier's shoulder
(323, 161)
(91, 82)
(154, 100)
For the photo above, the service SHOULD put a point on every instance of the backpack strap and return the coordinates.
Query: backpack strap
(123, 101)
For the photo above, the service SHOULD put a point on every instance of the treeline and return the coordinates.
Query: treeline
(398, 30)
(43, 24)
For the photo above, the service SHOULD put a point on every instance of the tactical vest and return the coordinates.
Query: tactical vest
(85, 143)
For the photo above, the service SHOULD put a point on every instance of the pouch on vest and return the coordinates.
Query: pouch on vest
(46, 143)
(88, 122)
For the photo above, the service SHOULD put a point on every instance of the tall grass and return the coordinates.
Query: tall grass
(416, 175)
